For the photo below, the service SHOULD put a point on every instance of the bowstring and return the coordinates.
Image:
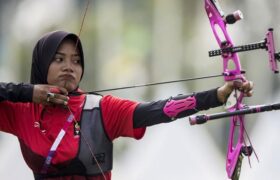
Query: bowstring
(87, 143)
(82, 24)
(75, 121)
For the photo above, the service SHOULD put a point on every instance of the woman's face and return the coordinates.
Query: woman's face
(65, 69)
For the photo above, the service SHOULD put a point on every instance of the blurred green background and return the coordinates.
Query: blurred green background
(130, 42)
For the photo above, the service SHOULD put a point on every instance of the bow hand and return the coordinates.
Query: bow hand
(224, 92)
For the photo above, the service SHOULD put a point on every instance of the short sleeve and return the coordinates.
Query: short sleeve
(117, 115)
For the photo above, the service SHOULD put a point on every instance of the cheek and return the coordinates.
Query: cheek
(51, 74)
(50, 79)
(79, 72)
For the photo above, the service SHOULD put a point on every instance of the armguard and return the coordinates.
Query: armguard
(175, 106)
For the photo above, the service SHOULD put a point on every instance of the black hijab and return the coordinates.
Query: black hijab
(44, 52)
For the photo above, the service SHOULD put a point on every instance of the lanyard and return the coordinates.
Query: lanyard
(56, 143)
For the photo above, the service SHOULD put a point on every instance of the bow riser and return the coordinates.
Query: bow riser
(219, 28)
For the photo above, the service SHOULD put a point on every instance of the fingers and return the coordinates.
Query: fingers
(248, 89)
(50, 95)
(53, 98)
(245, 87)
(58, 90)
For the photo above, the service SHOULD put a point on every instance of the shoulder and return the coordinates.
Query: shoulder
(92, 101)
(116, 100)
(115, 105)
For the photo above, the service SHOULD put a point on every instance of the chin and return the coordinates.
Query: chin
(70, 86)
(70, 89)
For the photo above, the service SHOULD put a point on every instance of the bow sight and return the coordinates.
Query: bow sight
(267, 44)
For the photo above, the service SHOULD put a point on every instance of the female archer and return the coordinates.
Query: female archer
(65, 133)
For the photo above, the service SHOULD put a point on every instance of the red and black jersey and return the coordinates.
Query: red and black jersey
(37, 127)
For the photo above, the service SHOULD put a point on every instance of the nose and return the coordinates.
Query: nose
(68, 66)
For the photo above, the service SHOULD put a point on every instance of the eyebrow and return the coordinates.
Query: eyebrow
(60, 53)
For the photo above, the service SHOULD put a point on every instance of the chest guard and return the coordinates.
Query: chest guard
(94, 138)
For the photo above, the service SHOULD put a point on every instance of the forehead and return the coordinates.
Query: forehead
(68, 44)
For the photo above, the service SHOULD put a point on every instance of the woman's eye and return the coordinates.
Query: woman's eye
(77, 61)
(58, 59)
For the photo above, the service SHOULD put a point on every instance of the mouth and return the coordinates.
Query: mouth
(68, 77)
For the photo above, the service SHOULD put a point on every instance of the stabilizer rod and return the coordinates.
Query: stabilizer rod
(200, 119)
